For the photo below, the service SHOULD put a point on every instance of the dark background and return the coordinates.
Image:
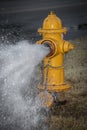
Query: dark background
(28, 15)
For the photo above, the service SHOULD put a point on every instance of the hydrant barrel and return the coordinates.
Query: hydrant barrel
(53, 73)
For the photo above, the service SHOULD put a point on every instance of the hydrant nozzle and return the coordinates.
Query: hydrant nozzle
(53, 71)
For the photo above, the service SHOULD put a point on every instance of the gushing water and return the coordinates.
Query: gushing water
(17, 69)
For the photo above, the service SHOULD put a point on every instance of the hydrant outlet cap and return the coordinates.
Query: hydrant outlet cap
(71, 47)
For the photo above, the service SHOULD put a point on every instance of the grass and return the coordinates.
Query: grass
(73, 115)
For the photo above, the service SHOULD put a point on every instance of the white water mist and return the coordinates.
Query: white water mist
(17, 67)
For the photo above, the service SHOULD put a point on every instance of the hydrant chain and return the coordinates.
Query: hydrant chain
(45, 83)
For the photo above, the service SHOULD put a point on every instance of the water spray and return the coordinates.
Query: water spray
(18, 104)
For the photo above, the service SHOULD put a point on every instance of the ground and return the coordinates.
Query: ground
(73, 115)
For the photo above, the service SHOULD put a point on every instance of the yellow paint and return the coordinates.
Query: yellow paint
(52, 34)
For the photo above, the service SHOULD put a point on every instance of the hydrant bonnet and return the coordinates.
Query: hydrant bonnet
(52, 24)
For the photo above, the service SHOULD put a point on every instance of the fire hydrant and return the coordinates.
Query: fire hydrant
(53, 72)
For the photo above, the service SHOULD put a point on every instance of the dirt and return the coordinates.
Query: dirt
(73, 115)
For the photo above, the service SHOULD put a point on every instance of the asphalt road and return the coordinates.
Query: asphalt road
(31, 13)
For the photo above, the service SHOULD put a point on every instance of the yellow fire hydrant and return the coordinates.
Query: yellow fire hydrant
(53, 73)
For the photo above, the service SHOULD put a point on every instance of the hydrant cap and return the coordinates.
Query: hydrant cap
(52, 23)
